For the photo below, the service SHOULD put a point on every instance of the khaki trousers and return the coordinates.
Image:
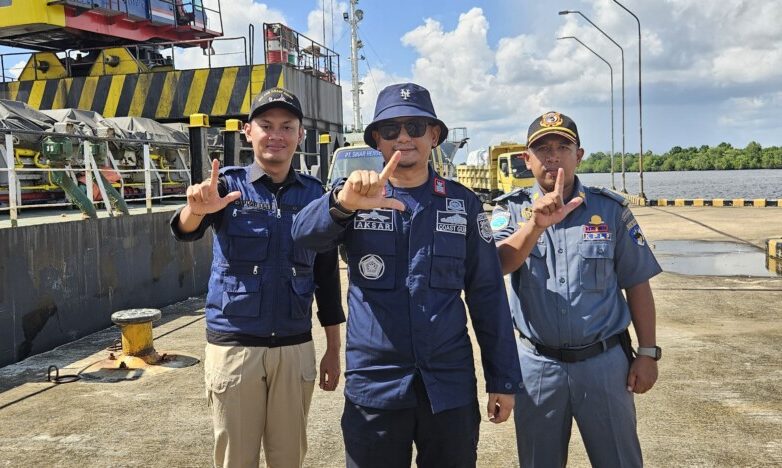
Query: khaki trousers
(260, 395)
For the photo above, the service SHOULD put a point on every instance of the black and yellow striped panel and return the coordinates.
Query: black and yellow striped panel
(171, 95)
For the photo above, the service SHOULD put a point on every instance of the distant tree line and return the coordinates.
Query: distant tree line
(706, 158)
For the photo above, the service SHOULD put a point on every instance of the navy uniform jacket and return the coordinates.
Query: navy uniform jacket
(261, 282)
(405, 313)
(568, 291)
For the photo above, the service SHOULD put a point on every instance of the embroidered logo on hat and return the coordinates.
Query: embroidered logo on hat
(404, 94)
(551, 119)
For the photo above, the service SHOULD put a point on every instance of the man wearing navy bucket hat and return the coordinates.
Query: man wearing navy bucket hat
(414, 242)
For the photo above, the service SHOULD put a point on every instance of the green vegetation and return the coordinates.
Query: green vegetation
(721, 157)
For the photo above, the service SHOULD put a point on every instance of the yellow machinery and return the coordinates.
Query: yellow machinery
(503, 171)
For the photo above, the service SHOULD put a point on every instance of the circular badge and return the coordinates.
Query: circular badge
(371, 266)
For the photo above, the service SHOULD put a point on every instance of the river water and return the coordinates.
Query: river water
(753, 183)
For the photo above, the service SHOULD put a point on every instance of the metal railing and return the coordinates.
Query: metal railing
(157, 176)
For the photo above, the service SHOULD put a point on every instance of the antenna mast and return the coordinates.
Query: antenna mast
(355, 44)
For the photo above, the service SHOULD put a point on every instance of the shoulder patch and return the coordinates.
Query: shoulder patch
(519, 195)
(500, 218)
(484, 227)
(610, 194)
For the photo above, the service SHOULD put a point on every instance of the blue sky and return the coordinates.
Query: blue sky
(711, 70)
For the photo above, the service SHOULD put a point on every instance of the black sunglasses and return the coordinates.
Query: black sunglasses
(414, 127)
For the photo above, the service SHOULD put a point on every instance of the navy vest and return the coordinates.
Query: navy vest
(261, 284)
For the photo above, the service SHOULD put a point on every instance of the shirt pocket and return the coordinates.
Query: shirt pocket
(534, 274)
(448, 254)
(372, 259)
(248, 232)
(597, 260)
(242, 295)
(302, 287)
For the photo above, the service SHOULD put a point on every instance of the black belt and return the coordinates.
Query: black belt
(573, 354)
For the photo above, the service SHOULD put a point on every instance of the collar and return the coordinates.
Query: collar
(255, 172)
(578, 190)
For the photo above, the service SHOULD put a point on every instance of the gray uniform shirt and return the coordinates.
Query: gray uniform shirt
(568, 291)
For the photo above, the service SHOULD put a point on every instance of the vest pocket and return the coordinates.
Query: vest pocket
(249, 237)
(596, 264)
(372, 259)
(448, 254)
(301, 300)
(242, 295)
(534, 273)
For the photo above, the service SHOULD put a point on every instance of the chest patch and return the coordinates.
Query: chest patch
(375, 220)
(484, 227)
(455, 204)
(371, 266)
(596, 229)
(455, 223)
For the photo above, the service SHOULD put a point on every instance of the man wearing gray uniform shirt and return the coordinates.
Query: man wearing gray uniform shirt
(571, 250)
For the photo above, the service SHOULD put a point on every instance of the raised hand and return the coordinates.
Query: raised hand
(365, 190)
(204, 199)
(550, 208)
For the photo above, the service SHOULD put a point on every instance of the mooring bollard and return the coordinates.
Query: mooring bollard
(136, 329)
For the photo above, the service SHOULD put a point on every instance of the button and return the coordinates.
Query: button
(508, 386)
(560, 250)
(562, 280)
(563, 311)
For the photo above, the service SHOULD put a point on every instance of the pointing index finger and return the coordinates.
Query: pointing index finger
(559, 184)
(390, 167)
(215, 172)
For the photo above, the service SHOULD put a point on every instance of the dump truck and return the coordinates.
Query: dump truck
(494, 171)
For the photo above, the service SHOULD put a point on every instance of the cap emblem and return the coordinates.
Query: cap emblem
(551, 119)
(404, 93)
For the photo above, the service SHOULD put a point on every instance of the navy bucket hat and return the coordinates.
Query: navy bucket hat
(403, 100)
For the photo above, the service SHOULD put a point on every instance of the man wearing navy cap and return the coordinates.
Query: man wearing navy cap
(260, 359)
(571, 250)
(414, 242)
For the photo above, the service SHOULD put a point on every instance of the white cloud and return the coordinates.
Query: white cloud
(728, 54)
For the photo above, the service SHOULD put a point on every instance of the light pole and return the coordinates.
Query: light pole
(640, 109)
(567, 12)
(353, 19)
(613, 185)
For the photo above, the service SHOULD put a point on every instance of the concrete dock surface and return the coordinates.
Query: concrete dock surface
(717, 403)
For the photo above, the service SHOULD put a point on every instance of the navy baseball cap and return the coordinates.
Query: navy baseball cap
(275, 97)
(403, 100)
(553, 122)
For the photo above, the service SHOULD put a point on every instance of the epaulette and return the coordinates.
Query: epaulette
(311, 177)
(225, 169)
(520, 195)
(617, 197)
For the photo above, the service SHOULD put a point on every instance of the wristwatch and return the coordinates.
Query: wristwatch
(337, 211)
(654, 352)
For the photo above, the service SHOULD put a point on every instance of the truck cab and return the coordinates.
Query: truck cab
(512, 172)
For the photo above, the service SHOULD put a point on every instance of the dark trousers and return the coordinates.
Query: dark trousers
(378, 438)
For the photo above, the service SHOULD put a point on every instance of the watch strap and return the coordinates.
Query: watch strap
(654, 352)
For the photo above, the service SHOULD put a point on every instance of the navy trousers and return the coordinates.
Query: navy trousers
(382, 438)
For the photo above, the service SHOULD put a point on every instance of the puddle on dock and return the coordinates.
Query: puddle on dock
(714, 258)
